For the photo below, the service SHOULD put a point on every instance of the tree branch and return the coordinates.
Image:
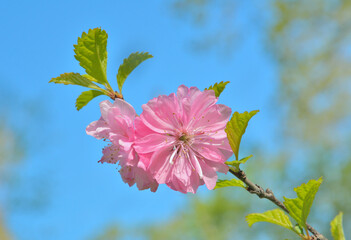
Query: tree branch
(268, 194)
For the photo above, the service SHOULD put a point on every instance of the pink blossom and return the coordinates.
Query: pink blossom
(117, 125)
(181, 139)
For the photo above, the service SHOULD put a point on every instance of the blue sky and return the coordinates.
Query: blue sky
(37, 44)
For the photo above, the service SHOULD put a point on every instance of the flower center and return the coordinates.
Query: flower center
(184, 138)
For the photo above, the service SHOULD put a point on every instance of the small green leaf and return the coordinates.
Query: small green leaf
(298, 229)
(236, 127)
(75, 79)
(299, 207)
(92, 54)
(336, 228)
(275, 216)
(86, 97)
(235, 164)
(229, 183)
(218, 88)
(128, 65)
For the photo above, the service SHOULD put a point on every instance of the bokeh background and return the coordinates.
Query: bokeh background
(290, 59)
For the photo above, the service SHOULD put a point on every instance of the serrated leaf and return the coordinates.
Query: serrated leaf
(85, 97)
(299, 207)
(336, 227)
(128, 65)
(236, 127)
(92, 54)
(229, 183)
(236, 163)
(75, 79)
(87, 76)
(275, 216)
(218, 88)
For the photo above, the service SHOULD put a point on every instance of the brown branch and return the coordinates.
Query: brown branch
(268, 194)
(114, 95)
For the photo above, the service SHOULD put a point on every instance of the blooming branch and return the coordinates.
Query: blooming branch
(181, 140)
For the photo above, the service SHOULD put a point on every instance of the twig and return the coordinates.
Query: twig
(268, 194)
(114, 95)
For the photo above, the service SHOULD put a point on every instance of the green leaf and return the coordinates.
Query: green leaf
(235, 164)
(128, 65)
(75, 79)
(218, 88)
(86, 97)
(299, 207)
(236, 127)
(92, 54)
(275, 216)
(336, 228)
(87, 76)
(298, 229)
(229, 183)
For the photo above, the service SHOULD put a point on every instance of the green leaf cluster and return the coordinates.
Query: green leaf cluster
(218, 88)
(235, 129)
(91, 53)
(299, 209)
(234, 165)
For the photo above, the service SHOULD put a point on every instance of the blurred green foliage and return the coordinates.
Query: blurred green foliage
(15, 138)
(8, 155)
(111, 232)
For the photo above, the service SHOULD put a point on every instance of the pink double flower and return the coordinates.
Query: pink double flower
(178, 140)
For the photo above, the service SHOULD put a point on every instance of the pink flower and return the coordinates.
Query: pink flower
(117, 125)
(181, 139)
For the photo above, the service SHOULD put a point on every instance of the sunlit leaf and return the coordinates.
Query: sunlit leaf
(275, 216)
(92, 54)
(87, 76)
(75, 79)
(229, 183)
(336, 227)
(86, 97)
(299, 207)
(128, 65)
(235, 164)
(218, 88)
(236, 127)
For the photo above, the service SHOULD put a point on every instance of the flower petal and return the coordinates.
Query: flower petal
(210, 175)
(153, 142)
(98, 129)
(104, 107)
(125, 108)
(154, 122)
(160, 167)
(213, 119)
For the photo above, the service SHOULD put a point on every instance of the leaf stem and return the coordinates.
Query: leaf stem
(268, 194)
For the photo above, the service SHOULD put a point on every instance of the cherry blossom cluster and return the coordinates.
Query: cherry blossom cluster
(178, 140)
